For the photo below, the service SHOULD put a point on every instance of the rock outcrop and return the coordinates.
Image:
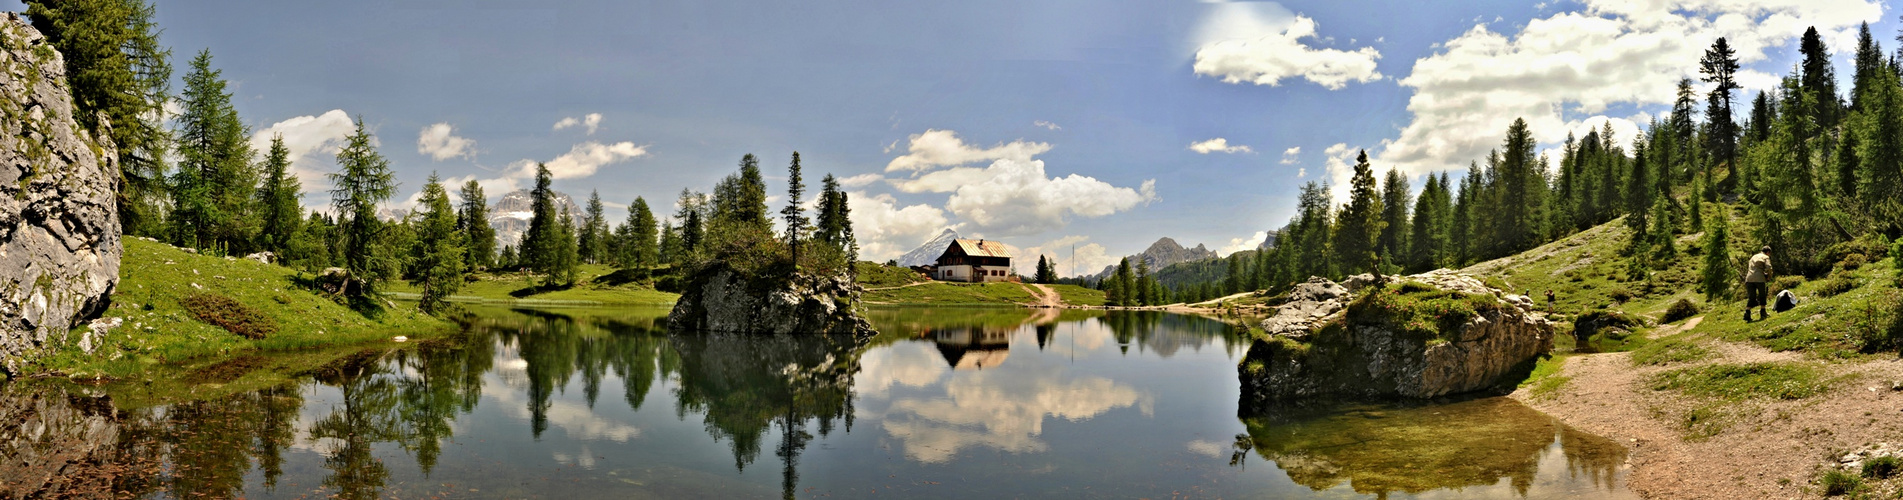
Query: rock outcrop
(719, 299)
(59, 222)
(1324, 341)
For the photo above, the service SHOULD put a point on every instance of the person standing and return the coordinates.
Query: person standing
(1755, 288)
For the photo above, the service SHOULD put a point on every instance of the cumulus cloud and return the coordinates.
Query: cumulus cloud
(589, 121)
(1218, 145)
(313, 140)
(1047, 125)
(1239, 244)
(886, 230)
(1341, 169)
(1274, 50)
(582, 160)
(943, 148)
(1291, 155)
(1002, 411)
(1612, 52)
(439, 142)
(1016, 198)
(1071, 255)
(861, 180)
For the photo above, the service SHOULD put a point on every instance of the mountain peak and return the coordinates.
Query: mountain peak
(928, 252)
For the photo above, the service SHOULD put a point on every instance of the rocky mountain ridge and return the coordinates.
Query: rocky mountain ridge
(1163, 253)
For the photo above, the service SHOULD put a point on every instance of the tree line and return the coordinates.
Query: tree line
(196, 182)
(1817, 175)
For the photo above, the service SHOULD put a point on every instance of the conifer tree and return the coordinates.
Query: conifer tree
(1716, 279)
(1720, 67)
(1125, 283)
(692, 224)
(593, 231)
(1145, 291)
(472, 218)
(1360, 222)
(541, 250)
(1395, 194)
(1819, 78)
(795, 214)
(1869, 61)
(670, 242)
(363, 181)
(215, 182)
(280, 215)
(640, 237)
(118, 74)
(834, 221)
(437, 254)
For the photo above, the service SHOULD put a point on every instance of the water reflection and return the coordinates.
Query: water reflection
(1384, 449)
(958, 403)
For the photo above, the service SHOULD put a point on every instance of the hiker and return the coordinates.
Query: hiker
(1549, 300)
(1755, 289)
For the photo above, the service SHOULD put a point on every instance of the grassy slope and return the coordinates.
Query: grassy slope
(158, 335)
(518, 287)
(897, 285)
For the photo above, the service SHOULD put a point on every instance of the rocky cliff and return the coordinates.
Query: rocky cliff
(719, 299)
(927, 254)
(1422, 336)
(59, 226)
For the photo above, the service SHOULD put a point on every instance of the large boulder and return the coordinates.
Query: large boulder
(1432, 335)
(719, 299)
(59, 224)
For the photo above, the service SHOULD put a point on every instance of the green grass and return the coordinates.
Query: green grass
(1845, 325)
(598, 285)
(1077, 295)
(1745, 381)
(1545, 381)
(1421, 310)
(944, 293)
(876, 275)
(1674, 349)
(159, 332)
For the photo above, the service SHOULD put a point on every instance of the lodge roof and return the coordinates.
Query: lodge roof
(982, 248)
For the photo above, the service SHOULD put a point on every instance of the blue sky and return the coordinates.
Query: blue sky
(1044, 124)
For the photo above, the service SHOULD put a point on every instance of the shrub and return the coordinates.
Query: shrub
(1788, 282)
(1837, 482)
(1881, 467)
(1853, 261)
(1681, 309)
(231, 315)
(1620, 294)
(1835, 285)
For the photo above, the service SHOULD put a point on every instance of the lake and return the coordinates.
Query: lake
(946, 402)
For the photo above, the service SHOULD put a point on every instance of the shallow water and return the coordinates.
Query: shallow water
(947, 402)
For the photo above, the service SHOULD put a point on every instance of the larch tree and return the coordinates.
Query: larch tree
(437, 253)
(215, 181)
(1360, 223)
(642, 237)
(472, 218)
(795, 214)
(119, 74)
(280, 214)
(541, 249)
(363, 181)
(1720, 68)
(592, 232)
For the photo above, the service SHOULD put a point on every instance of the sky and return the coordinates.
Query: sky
(1048, 125)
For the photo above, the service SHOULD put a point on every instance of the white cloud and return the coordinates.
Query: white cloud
(886, 230)
(440, 143)
(1047, 125)
(1003, 411)
(1071, 255)
(1580, 63)
(1239, 244)
(1016, 198)
(582, 160)
(943, 148)
(589, 121)
(1218, 145)
(1274, 51)
(861, 180)
(1340, 170)
(1291, 155)
(313, 141)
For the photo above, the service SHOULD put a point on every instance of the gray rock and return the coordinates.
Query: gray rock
(57, 444)
(265, 257)
(721, 300)
(1366, 357)
(59, 222)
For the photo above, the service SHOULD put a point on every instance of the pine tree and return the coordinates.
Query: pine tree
(279, 212)
(794, 214)
(670, 242)
(1360, 223)
(1820, 80)
(1144, 295)
(1720, 67)
(1520, 189)
(1880, 154)
(1716, 279)
(692, 224)
(640, 242)
(363, 181)
(1869, 61)
(593, 231)
(472, 218)
(119, 74)
(1125, 283)
(565, 252)
(437, 254)
(1394, 235)
(541, 251)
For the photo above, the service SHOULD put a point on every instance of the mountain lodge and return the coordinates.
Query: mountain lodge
(975, 261)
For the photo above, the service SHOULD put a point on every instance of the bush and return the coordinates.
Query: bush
(1881, 467)
(234, 317)
(1620, 294)
(1835, 285)
(1681, 309)
(1853, 261)
(1837, 482)
(1789, 282)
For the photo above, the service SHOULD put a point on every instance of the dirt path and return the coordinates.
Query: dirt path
(1765, 448)
(907, 285)
(1045, 295)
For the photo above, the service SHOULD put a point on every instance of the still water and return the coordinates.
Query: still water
(947, 402)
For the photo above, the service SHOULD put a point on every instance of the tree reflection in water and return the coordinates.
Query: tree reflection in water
(1381, 449)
